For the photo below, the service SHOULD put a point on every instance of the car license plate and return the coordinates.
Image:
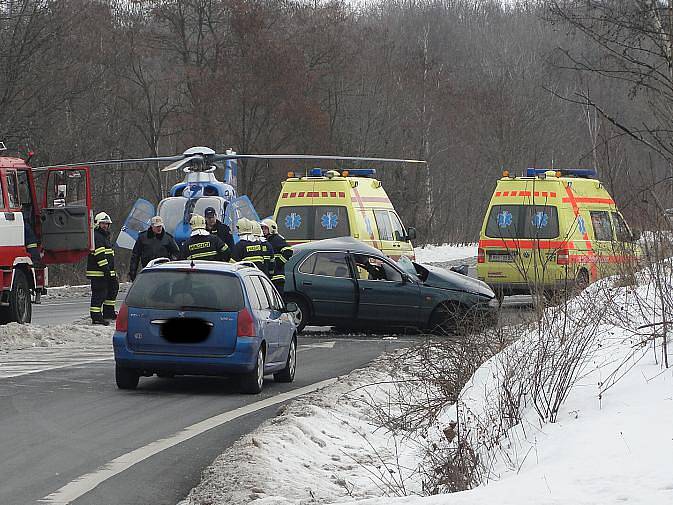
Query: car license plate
(500, 258)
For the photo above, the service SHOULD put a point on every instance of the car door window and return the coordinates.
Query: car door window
(397, 228)
(330, 264)
(375, 269)
(271, 293)
(13, 191)
(601, 224)
(2, 194)
(252, 293)
(621, 230)
(261, 292)
(383, 224)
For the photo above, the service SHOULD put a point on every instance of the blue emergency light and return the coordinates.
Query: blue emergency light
(585, 173)
(315, 172)
(362, 172)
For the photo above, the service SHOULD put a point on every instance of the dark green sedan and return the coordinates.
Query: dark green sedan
(346, 283)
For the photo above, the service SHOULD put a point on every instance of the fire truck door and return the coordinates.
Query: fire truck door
(66, 218)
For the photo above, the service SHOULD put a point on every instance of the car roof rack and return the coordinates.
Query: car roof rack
(244, 263)
(157, 261)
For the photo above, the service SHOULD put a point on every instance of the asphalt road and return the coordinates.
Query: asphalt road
(60, 425)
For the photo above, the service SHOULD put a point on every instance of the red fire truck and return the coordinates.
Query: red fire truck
(62, 223)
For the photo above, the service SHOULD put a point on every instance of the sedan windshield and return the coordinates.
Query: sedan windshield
(186, 290)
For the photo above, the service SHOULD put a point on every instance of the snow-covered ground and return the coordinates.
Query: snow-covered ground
(611, 442)
(83, 290)
(15, 336)
(445, 253)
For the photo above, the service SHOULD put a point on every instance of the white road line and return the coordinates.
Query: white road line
(55, 367)
(82, 485)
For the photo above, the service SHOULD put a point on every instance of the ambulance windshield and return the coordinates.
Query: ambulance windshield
(523, 221)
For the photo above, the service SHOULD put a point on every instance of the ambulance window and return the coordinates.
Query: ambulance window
(601, 224)
(330, 222)
(383, 224)
(13, 191)
(397, 226)
(293, 222)
(621, 230)
(523, 221)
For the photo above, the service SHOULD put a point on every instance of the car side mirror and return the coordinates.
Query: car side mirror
(635, 235)
(406, 278)
(291, 307)
(411, 234)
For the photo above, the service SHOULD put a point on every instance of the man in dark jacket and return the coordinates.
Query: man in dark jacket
(202, 245)
(100, 270)
(153, 243)
(217, 227)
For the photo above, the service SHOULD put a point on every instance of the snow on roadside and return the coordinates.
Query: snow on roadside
(83, 290)
(611, 443)
(444, 253)
(15, 336)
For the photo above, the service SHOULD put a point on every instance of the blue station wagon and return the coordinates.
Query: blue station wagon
(204, 318)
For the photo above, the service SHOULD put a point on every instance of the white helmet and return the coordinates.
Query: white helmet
(244, 226)
(271, 225)
(256, 228)
(197, 222)
(101, 217)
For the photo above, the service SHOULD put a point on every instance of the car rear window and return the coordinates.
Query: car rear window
(313, 222)
(523, 221)
(190, 290)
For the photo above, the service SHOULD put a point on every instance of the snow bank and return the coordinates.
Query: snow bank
(445, 253)
(80, 291)
(611, 442)
(21, 336)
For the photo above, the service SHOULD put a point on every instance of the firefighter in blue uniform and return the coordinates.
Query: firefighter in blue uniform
(251, 248)
(202, 245)
(100, 270)
(282, 252)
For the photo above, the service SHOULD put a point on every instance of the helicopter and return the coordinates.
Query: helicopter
(201, 189)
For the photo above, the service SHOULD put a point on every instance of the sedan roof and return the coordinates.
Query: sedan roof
(338, 244)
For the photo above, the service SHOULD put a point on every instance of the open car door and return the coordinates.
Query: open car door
(136, 222)
(238, 208)
(66, 217)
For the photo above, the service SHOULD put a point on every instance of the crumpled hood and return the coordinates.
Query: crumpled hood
(446, 279)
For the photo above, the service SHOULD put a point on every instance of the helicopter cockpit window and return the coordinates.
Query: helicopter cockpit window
(216, 202)
(172, 210)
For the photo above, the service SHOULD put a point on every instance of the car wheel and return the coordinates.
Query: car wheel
(20, 308)
(252, 382)
(301, 315)
(126, 378)
(444, 319)
(287, 373)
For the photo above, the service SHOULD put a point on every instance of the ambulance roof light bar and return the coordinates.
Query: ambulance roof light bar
(353, 172)
(585, 173)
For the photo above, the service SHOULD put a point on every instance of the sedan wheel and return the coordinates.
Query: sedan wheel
(300, 315)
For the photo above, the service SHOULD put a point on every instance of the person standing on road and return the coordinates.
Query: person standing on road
(202, 245)
(100, 270)
(217, 227)
(282, 252)
(153, 243)
(250, 248)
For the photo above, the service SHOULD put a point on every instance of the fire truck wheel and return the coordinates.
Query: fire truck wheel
(20, 309)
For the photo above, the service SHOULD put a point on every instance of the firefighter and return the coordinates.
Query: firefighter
(217, 227)
(100, 270)
(202, 245)
(282, 251)
(153, 243)
(251, 248)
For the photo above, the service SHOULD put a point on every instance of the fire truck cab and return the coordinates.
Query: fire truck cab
(61, 224)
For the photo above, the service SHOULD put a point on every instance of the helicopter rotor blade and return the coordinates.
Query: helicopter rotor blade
(110, 162)
(218, 157)
(179, 164)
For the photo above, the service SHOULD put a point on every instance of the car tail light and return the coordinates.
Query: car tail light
(481, 256)
(563, 257)
(122, 318)
(246, 324)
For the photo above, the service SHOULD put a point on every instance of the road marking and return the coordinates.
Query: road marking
(321, 345)
(82, 485)
(41, 359)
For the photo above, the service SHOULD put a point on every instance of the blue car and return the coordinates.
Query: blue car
(204, 318)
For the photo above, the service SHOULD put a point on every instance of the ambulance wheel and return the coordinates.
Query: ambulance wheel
(582, 280)
(20, 308)
(301, 315)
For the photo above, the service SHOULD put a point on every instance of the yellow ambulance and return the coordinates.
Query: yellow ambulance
(552, 229)
(329, 203)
